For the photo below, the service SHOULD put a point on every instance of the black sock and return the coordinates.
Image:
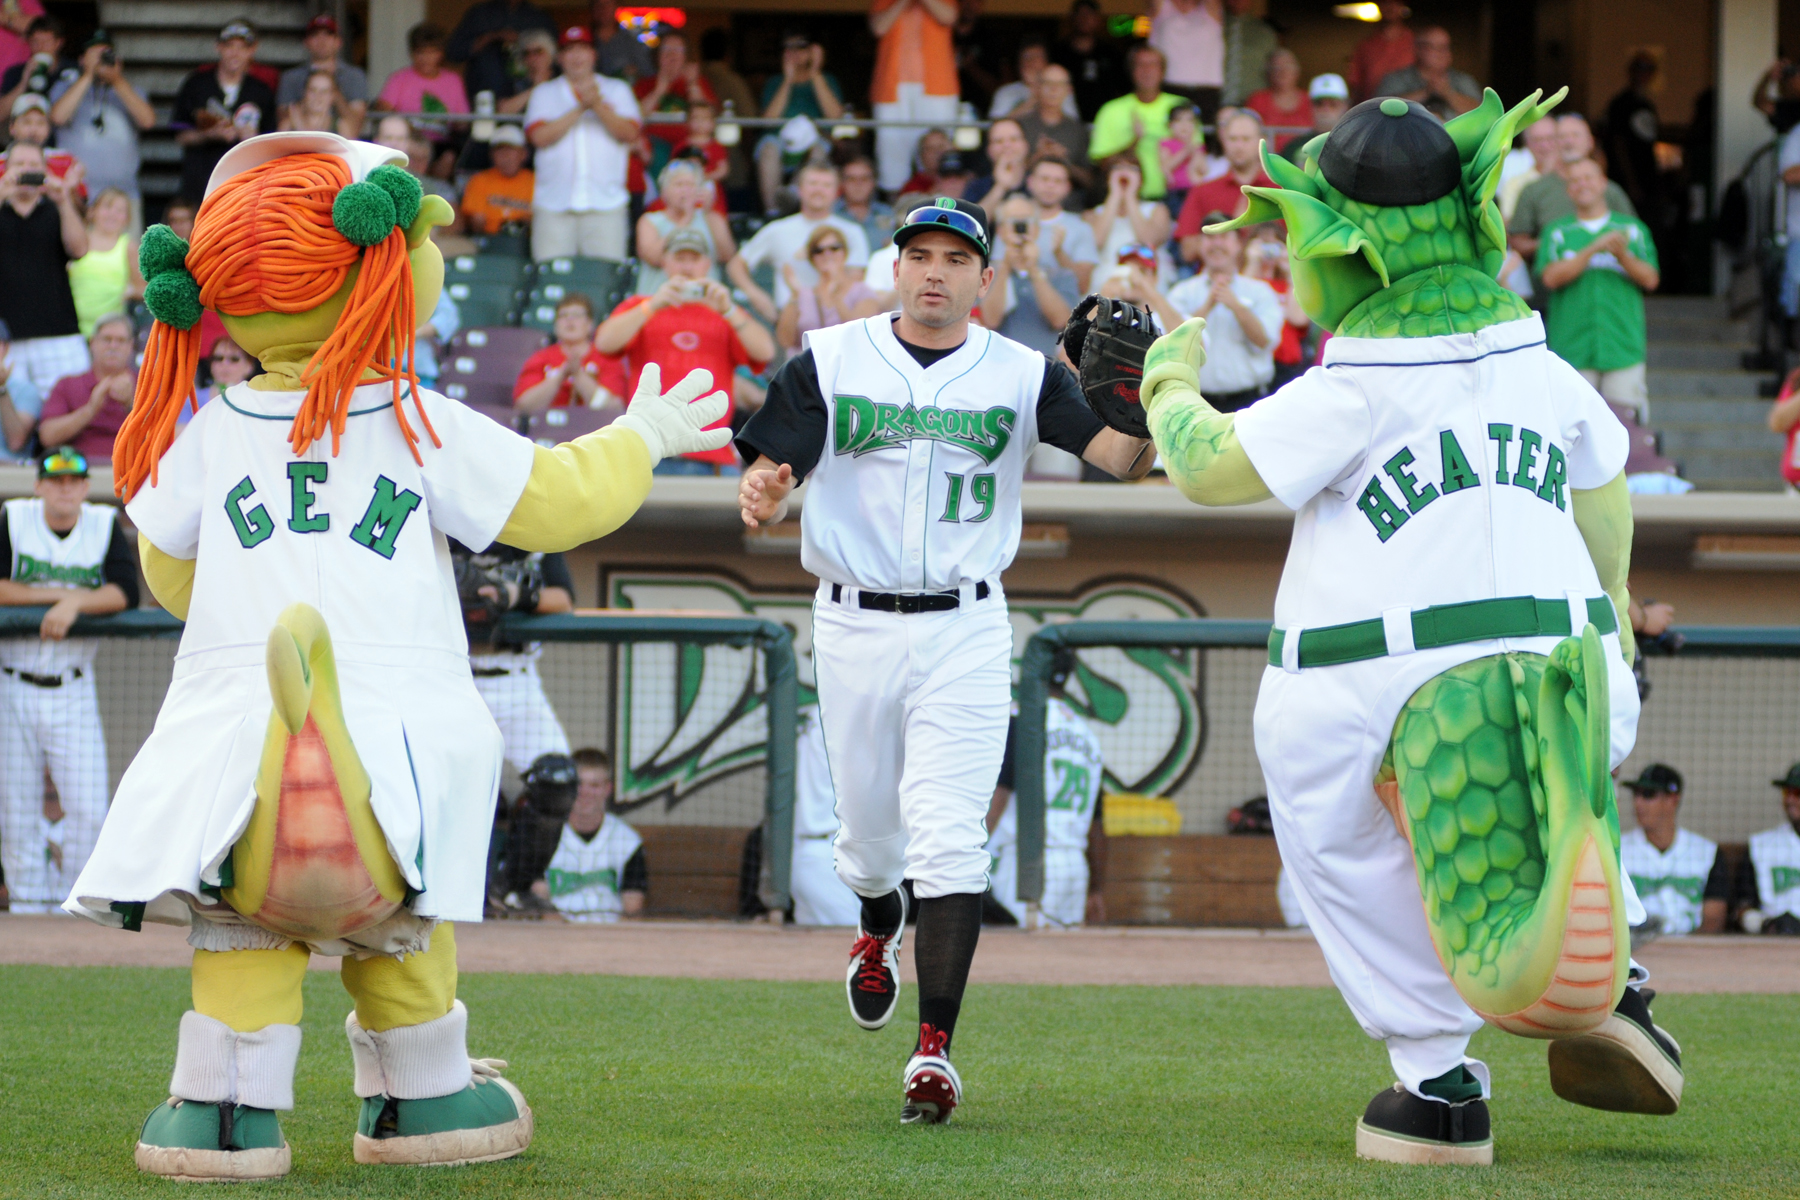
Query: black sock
(943, 948)
(881, 915)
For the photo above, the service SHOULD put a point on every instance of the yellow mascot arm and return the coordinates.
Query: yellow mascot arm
(171, 579)
(579, 491)
(1603, 515)
(1198, 443)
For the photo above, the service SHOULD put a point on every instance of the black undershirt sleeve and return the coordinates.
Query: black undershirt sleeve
(1718, 883)
(635, 877)
(1746, 884)
(556, 573)
(120, 566)
(790, 427)
(5, 547)
(1064, 419)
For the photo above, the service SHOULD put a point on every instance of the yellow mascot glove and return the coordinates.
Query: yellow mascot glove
(1174, 362)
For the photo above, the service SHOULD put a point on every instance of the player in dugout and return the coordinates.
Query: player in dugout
(914, 513)
(1678, 874)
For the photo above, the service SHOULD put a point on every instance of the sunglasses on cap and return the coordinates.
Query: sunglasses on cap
(950, 218)
(65, 461)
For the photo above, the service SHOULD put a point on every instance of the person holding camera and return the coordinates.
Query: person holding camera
(690, 321)
(1032, 293)
(98, 115)
(41, 232)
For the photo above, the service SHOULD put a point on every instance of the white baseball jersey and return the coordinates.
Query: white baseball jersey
(1072, 774)
(1775, 856)
(586, 875)
(820, 897)
(41, 557)
(1671, 883)
(360, 536)
(918, 485)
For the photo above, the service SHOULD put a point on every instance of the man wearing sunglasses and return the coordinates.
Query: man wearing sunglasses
(57, 550)
(915, 430)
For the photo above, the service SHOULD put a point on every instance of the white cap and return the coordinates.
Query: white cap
(507, 135)
(1328, 87)
(798, 135)
(360, 157)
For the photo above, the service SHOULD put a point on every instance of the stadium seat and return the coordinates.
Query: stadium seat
(476, 393)
(512, 270)
(481, 365)
(518, 244)
(507, 342)
(565, 424)
(482, 303)
(504, 413)
(604, 281)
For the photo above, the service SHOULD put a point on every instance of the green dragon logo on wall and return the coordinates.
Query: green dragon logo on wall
(686, 715)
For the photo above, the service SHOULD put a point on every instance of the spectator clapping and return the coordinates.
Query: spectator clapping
(683, 188)
(583, 126)
(834, 299)
(1240, 138)
(784, 242)
(106, 278)
(20, 404)
(1139, 120)
(1243, 320)
(323, 45)
(1431, 80)
(803, 89)
(915, 77)
(86, 410)
(570, 371)
(1063, 237)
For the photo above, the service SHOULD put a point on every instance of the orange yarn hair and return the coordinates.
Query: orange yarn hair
(265, 242)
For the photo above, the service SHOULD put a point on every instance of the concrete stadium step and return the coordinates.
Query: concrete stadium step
(1679, 439)
(192, 47)
(1710, 308)
(267, 15)
(1696, 355)
(1683, 381)
(1666, 411)
(1663, 328)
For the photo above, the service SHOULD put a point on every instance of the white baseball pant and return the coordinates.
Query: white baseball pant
(914, 708)
(820, 897)
(1321, 734)
(58, 728)
(894, 144)
(1065, 885)
(528, 724)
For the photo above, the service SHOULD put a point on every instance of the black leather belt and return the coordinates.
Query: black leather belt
(491, 672)
(43, 681)
(908, 602)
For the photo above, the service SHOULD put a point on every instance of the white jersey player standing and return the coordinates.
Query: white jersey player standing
(58, 550)
(915, 433)
(1073, 765)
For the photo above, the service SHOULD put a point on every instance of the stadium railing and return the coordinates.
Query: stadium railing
(1724, 708)
(614, 628)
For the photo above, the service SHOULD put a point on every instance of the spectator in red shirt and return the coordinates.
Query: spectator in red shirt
(1284, 102)
(690, 321)
(86, 410)
(676, 84)
(568, 368)
(1240, 136)
(1386, 50)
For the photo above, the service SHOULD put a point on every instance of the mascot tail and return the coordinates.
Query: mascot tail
(313, 864)
(1497, 774)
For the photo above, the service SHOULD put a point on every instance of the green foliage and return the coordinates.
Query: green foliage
(650, 1088)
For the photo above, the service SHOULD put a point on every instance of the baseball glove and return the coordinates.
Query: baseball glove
(1107, 340)
(489, 585)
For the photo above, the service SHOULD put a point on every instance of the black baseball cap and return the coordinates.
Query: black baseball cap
(945, 215)
(1790, 780)
(1391, 153)
(1657, 778)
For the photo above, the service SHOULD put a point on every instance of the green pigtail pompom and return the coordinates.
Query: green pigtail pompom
(363, 213)
(402, 188)
(173, 297)
(161, 250)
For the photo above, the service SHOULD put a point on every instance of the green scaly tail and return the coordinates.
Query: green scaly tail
(1497, 773)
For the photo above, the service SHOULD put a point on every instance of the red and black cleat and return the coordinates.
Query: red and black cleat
(933, 1088)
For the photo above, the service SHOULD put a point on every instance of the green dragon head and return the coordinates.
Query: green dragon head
(1345, 251)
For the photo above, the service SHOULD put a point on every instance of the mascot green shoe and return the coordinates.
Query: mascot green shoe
(1448, 681)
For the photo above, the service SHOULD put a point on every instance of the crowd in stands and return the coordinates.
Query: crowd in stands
(1102, 161)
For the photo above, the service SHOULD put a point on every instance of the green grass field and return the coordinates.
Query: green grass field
(679, 1088)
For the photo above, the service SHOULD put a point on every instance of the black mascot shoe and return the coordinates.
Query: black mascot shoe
(1627, 1065)
(1400, 1127)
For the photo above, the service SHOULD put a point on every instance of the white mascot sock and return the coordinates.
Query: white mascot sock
(412, 1062)
(215, 1063)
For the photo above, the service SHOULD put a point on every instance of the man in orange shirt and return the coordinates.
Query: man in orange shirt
(688, 322)
(915, 78)
(500, 195)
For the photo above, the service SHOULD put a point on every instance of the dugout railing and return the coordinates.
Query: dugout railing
(614, 628)
(1742, 715)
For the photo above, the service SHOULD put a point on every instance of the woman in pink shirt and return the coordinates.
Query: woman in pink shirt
(424, 87)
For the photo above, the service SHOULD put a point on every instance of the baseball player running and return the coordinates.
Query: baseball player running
(55, 549)
(1073, 764)
(915, 431)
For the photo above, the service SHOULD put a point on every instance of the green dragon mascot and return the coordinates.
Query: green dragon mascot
(1448, 680)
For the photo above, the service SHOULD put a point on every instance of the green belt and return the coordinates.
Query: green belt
(1444, 625)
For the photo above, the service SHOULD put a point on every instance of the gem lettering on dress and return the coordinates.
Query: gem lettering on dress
(1386, 516)
(386, 515)
(301, 478)
(1410, 491)
(1529, 444)
(1457, 472)
(1501, 436)
(253, 528)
